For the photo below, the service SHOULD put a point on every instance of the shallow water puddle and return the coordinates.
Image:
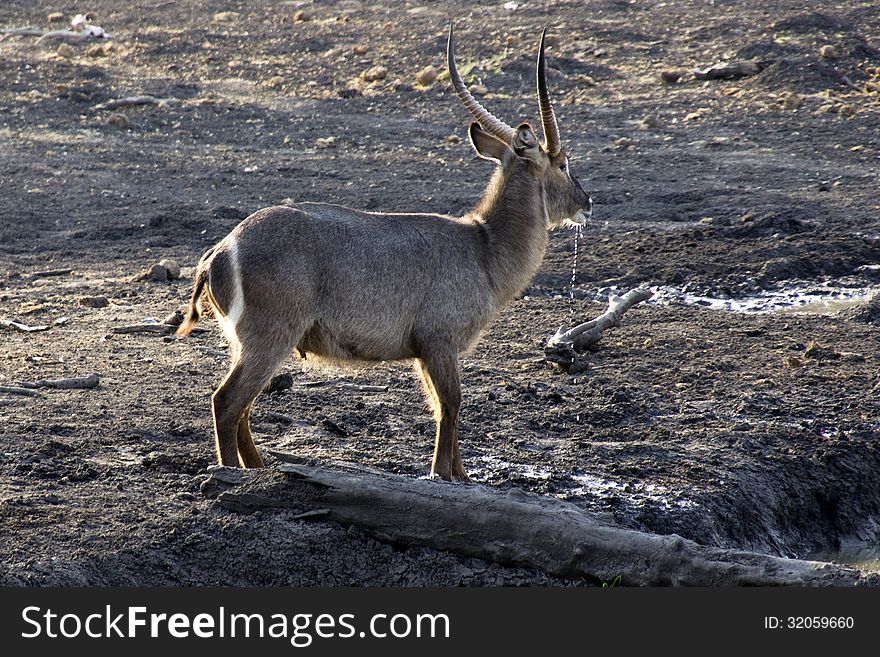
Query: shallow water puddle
(821, 299)
(866, 558)
(637, 494)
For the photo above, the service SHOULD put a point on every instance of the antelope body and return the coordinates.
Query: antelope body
(345, 285)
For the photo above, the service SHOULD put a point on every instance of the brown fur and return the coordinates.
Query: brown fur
(346, 285)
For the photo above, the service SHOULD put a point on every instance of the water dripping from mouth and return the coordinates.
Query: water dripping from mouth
(574, 268)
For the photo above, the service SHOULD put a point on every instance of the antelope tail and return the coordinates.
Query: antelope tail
(194, 312)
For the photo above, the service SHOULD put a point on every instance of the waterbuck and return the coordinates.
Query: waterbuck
(341, 285)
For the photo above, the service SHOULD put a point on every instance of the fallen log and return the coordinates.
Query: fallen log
(509, 527)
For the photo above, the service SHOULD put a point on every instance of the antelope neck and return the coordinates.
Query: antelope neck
(514, 216)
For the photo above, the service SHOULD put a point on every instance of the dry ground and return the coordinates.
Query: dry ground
(714, 426)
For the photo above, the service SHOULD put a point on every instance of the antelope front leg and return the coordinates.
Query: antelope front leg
(441, 378)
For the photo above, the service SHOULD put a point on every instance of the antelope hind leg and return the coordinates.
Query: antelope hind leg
(441, 378)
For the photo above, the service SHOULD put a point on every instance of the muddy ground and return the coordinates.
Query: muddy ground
(728, 429)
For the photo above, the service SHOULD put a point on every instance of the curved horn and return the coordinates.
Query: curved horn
(548, 116)
(486, 119)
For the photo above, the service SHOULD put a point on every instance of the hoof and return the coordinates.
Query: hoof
(456, 475)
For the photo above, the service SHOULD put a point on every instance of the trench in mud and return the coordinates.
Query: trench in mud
(865, 558)
(795, 298)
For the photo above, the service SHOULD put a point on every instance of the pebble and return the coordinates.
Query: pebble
(93, 302)
(118, 120)
(828, 52)
(226, 16)
(55, 17)
(65, 50)
(374, 73)
(670, 77)
(427, 76)
(164, 270)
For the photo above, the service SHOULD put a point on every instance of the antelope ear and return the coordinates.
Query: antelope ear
(526, 145)
(487, 146)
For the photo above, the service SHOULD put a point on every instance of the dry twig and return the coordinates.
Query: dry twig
(137, 100)
(730, 71)
(24, 328)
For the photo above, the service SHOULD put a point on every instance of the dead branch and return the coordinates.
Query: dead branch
(137, 100)
(68, 36)
(563, 349)
(155, 329)
(51, 272)
(730, 71)
(19, 390)
(849, 83)
(587, 334)
(159, 329)
(509, 527)
(24, 328)
(21, 31)
(79, 382)
(81, 30)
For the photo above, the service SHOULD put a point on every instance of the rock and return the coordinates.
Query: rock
(279, 383)
(478, 89)
(171, 267)
(828, 52)
(427, 76)
(93, 302)
(164, 270)
(174, 318)
(55, 17)
(65, 50)
(301, 16)
(118, 120)
(360, 49)
(453, 139)
(699, 114)
(275, 82)
(817, 352)
(793, 101)
(324, 142)
(226, 16)
(650, 122)
(374, 73)
(670, 77)
(99, 50)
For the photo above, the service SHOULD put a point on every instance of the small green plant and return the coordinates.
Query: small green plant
(612, 583)
(469, 71)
